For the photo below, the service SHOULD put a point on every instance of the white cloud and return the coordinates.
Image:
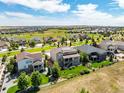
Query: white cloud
(86, 14)
(89, 11)
(48, 5)
(18, 14)
(24, 19)
(89, 15)
(120, 3)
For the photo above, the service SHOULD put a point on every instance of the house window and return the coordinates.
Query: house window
(76, 58)
(35, 66)
(28, 62)
(40, 66)
(66, 60)
(70, 59)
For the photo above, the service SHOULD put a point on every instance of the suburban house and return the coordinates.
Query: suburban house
(84, 36)
(29, 62)
(3, 45)
(22, 42)
(119, 57)
(49, 39)
(36, 39)
(94, 54)
(112, 46)
(65, 56)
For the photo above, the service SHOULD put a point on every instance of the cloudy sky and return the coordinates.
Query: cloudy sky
(62, 12)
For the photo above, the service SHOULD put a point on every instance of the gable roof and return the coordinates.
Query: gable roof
(64, 50)
(90, 49)
(34, 56)
(2, 43)
(119, 44)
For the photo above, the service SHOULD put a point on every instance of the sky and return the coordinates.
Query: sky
(61, 12)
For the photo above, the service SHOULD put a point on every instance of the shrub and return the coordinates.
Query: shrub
(84, 91)
(84, 72)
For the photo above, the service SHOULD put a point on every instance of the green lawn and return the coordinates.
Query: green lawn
(46, 48)
(13, 89)
(79, 43)
(12, 53)
(45, 79)
(100, 64)
(49, 33)
(72, 72)
(32, 50)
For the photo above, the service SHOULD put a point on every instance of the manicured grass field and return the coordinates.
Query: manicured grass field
(101, 64)
(44, 79)
(13, 89)
(79, 43)
(72, 72)
(32, 50)
(12, 53)
(49, 33)
(46, 48)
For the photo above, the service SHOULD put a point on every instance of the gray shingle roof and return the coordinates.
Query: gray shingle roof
(106, 43)
(70, 56)
(90, 49)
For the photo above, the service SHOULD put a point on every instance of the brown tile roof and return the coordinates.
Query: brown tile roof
(34, 56)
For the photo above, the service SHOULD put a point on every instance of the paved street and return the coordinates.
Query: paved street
(7, 83)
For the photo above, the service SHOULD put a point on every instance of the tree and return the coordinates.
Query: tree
(111, 58)
(83, 58)
(63, 40)
(12, 60)
(12, 65)
(14, 45)
(58, 44)
(46, 57)
(32, 44)
(22, 50)
(4, 58)
(43, 52)
(23, 81)
(70, 43)
(49, 71)
(36, 79)
(55, 73)
(9, 49)
(10, 68)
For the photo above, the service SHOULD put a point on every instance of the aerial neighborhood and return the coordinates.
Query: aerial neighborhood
(61, 46)
(48, 55)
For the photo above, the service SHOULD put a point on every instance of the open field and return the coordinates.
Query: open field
(106, 80)
(49, 33)
(32, 50)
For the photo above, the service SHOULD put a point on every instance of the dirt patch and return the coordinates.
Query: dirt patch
(106, 80)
